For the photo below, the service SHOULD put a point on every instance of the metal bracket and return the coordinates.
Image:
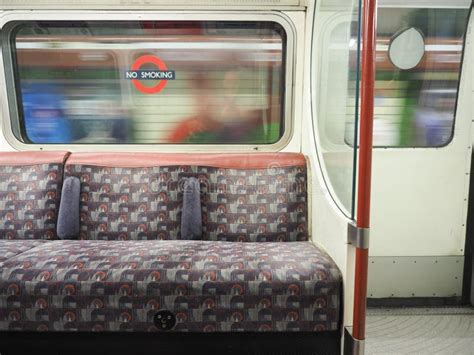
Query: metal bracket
(352, 346)
(358, 237)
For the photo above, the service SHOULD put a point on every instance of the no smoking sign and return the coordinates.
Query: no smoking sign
(161, 73)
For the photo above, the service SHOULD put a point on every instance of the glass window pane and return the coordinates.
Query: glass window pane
(416, 107)
(202, 82)
(334, 95)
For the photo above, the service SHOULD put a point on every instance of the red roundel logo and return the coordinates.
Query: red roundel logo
(161, 73)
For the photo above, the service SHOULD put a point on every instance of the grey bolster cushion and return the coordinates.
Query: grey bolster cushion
(191, 219)
(68, 218)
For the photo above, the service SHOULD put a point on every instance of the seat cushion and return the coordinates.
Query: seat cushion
(209, 286)
(30, 190)
(10, 248)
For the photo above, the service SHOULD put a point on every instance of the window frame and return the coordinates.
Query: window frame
(9, 98)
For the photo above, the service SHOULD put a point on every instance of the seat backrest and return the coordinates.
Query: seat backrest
(30, 190)
(244, 197)
(256, 198)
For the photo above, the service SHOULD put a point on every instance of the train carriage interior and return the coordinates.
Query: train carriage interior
(234, 176)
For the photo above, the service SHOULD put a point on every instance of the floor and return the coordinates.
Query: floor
(420, 331)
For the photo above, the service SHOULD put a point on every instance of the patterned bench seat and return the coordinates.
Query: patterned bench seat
(254, 268)
(30, 189)
(11, 248)
(94, 285)
(258, 197)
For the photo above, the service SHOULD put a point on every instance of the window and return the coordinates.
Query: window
(415, 104)
(149, 82)
(334, 67)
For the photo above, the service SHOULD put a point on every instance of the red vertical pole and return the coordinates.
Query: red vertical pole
(369, 26)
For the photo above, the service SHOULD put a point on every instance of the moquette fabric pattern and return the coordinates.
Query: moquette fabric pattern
(247, 205)
(29, 200)
(209, 286)
(257, 205)
(11, 248)
(130, 203)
